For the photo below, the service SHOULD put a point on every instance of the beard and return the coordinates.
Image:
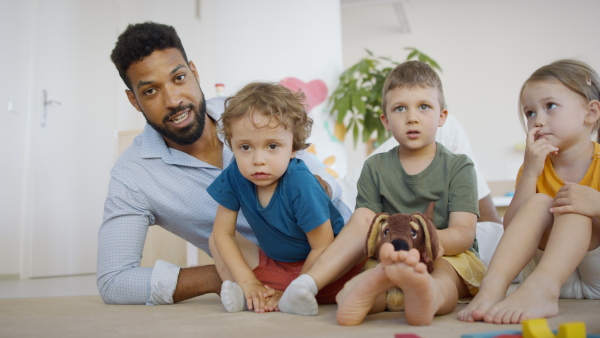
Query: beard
(189, 134)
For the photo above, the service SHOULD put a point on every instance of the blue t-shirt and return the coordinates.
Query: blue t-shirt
(299, 204)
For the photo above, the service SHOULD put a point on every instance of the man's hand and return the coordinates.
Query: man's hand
(325, 186)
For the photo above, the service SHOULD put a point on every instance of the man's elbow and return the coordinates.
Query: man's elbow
(104, 290)
(488, 211)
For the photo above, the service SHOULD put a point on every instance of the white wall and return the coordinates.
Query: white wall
(269, 40)
(486, 50)
(15, 39)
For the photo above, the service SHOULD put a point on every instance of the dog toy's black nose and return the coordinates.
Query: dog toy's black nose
(400, 244)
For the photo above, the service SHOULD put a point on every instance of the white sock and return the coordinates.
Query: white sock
(232, 297)
(299, 297)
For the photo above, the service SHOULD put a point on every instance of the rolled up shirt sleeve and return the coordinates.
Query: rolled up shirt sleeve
(163, 283)
(121, 239)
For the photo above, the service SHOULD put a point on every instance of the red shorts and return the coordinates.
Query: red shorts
(278, 275)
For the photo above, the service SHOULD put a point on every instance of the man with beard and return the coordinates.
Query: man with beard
(162, 177)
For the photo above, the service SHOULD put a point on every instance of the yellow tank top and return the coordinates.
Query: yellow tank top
(549, 183)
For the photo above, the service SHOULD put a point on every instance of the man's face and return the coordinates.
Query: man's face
(166, 90)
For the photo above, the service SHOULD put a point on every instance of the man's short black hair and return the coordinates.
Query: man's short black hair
(139, 41)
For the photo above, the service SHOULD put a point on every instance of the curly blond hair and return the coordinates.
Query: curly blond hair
(274, 101)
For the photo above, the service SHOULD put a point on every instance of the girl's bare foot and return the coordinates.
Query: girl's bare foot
(533, 299)
(489, 295)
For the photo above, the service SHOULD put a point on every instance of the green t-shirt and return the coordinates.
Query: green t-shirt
(449, 180)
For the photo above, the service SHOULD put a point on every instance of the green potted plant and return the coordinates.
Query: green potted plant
(356, 101)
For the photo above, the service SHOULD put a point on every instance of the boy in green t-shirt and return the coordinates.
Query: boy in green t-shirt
(406, 179)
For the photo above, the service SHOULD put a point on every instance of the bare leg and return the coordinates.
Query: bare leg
(196, 281)
(347, 250)
(517, 246)
(249, 251)
(425, 295)
(538, 296)
(231, 294)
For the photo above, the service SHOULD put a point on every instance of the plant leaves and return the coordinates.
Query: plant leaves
(357, 99)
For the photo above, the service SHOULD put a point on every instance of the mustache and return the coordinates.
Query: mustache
(177, 110)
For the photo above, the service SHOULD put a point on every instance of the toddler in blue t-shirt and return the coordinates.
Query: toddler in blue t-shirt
(290, 213)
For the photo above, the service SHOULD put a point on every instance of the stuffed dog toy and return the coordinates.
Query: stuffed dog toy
(404, 231)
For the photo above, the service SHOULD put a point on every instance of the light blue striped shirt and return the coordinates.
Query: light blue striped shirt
(154, 184)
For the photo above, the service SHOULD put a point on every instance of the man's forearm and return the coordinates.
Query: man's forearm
(488, 211)
(196, 281)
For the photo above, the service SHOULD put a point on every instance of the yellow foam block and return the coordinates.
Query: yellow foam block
(536, 328)
(571, 330)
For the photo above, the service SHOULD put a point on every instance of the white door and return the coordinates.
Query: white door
(73, 142)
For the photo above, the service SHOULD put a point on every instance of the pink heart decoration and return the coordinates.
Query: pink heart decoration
(315, 91)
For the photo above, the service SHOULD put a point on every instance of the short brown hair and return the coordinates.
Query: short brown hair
(139, 41)
(271, 100)
(411, 74)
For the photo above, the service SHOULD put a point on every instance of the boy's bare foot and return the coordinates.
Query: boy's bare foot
(489, 295)
(421, 296)
(363, 293)
(533, 299)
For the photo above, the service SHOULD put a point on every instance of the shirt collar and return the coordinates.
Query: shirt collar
(154, 146)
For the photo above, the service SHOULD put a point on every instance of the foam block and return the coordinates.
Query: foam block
(492, 334)
(536, 328)
(571, 330)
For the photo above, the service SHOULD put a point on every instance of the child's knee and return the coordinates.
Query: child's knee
(541, 199)
(363, 215)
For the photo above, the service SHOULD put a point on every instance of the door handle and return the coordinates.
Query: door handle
(47, 103)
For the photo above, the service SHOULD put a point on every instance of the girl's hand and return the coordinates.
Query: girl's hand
(535, 153)
(578, 199)
(273, 297)
(254, 293)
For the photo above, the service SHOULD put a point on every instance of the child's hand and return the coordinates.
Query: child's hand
(272, 297)
(578, 199)
(441, 252)
(254, 293)
(535, 153)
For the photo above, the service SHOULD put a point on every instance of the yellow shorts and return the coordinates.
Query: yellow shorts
(470, 268)
(466, 264)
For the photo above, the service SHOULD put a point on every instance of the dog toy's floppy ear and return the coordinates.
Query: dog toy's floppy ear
(430, 251)
(373, 234)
